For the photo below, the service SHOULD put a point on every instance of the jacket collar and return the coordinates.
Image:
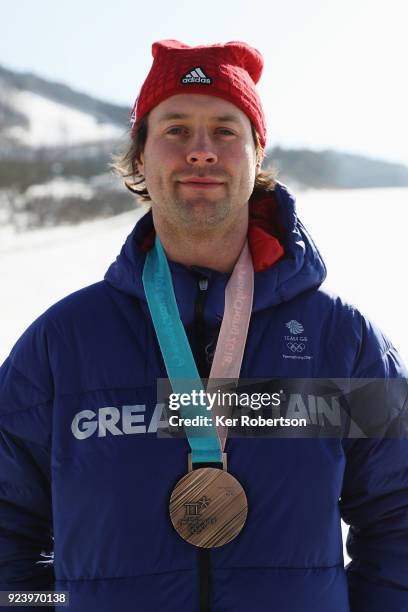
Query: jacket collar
(286, 260)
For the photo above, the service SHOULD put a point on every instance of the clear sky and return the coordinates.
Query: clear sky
(334, 76)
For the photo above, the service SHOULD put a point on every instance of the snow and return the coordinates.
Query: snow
(39, 267)
(361, 235)
(60, 188)
(52, 123)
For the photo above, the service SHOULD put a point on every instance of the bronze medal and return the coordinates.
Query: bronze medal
(208, 507)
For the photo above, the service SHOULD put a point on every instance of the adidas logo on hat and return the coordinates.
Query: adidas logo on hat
(196, 75)
(229, 71)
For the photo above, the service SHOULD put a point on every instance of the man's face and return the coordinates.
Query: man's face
(199, 162)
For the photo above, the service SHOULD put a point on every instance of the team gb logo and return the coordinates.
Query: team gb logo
(295, 327)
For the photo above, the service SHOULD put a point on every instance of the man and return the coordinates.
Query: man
(80, 459)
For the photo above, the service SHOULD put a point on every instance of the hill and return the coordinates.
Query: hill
(56, 145)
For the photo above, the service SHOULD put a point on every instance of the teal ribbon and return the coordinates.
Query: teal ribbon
(178, 358)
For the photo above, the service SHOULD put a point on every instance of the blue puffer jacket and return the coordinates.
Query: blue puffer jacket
(98, 494)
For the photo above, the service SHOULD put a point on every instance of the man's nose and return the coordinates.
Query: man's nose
(202, 153)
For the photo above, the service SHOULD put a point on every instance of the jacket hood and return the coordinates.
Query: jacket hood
(286, 260)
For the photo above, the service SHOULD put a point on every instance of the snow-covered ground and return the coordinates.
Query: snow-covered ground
(361, 235)
(39, 267)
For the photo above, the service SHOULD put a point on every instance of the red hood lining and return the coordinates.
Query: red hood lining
(265, 232)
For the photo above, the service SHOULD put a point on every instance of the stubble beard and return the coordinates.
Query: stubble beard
(195, 217)
(200, 213)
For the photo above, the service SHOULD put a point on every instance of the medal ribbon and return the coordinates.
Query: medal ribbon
(207, 442)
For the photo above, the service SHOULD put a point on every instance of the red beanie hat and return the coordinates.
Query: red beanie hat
(227, 71)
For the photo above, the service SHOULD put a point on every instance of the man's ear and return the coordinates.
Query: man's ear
(140, 163)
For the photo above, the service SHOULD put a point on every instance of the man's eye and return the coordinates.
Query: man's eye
(175, 130)
(226, 132)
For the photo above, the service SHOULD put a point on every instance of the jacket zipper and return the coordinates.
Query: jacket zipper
(204, 560)
(200, 326)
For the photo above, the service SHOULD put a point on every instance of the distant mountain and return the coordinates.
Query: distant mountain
(56, 145)
(332, 169)
(37, 113)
